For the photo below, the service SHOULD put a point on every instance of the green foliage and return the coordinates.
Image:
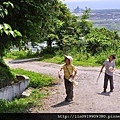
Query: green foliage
(39, 25)
(20, 54)
(79, 58)
(21, 105)
(5, 29)
(6, 77)
(36, 80)
(3, 10)
(71, 32)
(24, 104)
(53, 59)
(51, 21)
(99, 40)
(86, 14)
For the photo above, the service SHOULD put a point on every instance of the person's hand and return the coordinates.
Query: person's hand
(73, 76)
(59, 76)
(100, 70)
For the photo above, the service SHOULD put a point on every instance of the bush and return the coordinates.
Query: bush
(6, 77)
(20, 54)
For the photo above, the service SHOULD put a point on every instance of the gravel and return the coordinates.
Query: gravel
(88, 96)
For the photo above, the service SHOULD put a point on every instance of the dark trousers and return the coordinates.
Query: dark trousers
(69, 89)
(106, 78)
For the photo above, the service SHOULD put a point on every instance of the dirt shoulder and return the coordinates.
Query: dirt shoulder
(88, 97)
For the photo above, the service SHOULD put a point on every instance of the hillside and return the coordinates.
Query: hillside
(88, 96)
(108, 18)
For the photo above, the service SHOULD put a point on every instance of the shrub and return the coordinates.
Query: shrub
(6, 77)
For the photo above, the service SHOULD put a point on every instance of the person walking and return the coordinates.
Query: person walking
(69, 72)
(109, 65)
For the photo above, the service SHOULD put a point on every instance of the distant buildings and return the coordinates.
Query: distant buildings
(108, 18)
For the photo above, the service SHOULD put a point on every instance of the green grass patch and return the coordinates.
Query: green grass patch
(23, 104)
(52, 58)
(79, 59)
(37, 80)
(20, 54)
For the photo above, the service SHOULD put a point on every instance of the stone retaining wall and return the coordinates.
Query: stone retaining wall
(15, 90)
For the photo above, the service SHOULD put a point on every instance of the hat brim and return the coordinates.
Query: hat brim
(67, 57)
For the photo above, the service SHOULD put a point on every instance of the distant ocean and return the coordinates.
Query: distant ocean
(94, 5)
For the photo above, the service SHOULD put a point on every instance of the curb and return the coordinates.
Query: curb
(23, 60)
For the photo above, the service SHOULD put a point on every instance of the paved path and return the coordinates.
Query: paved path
(88, 97)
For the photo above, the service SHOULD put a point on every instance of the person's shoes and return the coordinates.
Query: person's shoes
(111, 90)
(104, 90)
(68, 100)
(65, 99)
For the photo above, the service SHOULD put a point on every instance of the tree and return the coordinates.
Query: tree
(33, 18)
(50, 21)
(69, 29)
(99, 40)
(5, 29)
(5, 33)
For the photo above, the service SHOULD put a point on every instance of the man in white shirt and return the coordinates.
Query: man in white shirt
(109, 64)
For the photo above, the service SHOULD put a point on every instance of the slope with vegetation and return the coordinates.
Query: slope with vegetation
(36, 21)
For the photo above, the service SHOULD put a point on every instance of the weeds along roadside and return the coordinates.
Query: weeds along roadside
(80, 58)
(24, 104)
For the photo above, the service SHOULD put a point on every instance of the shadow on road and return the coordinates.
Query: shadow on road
(104, 93)
(63, 103)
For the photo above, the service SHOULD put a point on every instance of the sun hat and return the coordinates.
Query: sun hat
(69, 57)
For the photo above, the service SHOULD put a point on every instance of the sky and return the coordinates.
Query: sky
(93, 4)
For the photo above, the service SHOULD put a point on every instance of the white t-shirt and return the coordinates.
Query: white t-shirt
(108, 64)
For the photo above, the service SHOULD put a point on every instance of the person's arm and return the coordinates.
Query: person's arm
(59, 72)
(102, 68)
(74, 74)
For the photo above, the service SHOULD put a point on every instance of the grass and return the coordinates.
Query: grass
(20, 54)
(79, 59)
(58, 59)
(23, 104)
(36, 80)
(84, 63)
(83, 58)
